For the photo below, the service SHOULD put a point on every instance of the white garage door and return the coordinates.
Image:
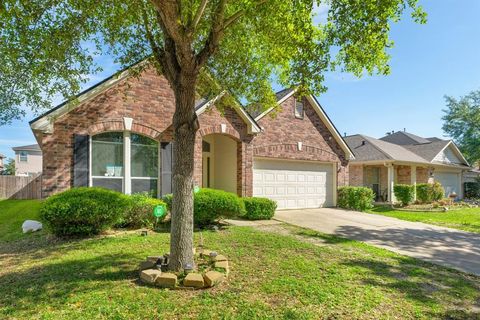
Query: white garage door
(450, 182)
(294, 184)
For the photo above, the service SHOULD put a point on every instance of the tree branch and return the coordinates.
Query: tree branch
(198, 16)
(237, 15)
(214, 37)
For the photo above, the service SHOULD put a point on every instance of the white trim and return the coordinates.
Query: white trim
(335, 183)
(279, 102)
(127, 122)
(207, 104)
(349, 155)
(322, 116)
(252, 126)
(127, 154)
(455, 149)
(106, 177)
(90, 156)
(45, 123)
(127, 166)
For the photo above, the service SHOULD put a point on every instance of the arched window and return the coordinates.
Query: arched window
(124, 162)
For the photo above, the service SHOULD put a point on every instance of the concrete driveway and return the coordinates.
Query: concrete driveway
(444, 246)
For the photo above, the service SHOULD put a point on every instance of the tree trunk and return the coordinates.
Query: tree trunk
(185, 125)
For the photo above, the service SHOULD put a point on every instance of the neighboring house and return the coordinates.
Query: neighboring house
(404, 158)
(118, 135)
(2, 162)
(472, 175)
(28, 160)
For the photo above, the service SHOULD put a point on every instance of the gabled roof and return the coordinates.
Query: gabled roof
(367, 148)
(44, 122)
(30, 147)
(428, 151)
(406, 147)
(404, 138)
(284, 94)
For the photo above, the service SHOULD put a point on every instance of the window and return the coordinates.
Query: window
(144, 164)
(109, 161)
(23, 156)
(299, 112)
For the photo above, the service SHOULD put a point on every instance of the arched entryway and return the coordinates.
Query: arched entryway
(219, 162)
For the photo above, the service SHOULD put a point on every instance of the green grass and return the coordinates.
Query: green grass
(463, 219)
(298, 274)
(12, 214)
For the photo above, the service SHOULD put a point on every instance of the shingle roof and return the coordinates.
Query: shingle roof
(419, 150)
(34, 147)
(404, 138)
(370, 149)
(428, 151)
(255, 111)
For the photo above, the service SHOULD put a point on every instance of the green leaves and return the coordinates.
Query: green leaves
(462, 123)
(45, 44)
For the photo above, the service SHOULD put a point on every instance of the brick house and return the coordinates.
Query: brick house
(404, 158)
(118, 135)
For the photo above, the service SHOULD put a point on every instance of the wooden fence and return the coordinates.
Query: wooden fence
(13, 187)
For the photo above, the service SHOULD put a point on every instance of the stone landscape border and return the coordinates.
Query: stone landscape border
(212, 268)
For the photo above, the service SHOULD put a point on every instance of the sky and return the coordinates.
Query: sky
(428, 62)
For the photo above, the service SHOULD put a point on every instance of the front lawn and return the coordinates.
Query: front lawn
(12, 215)
(464, 219)
(279, 273)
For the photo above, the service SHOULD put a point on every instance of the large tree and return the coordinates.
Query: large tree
(462, 123)
(239, 45)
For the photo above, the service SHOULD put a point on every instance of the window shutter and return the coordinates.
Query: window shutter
(81, 152)
(167, 165)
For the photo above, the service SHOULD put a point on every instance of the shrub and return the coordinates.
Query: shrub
(404, 193)
(355, 198)
(472, 190)
(83, 211)
(438, 193)
(423, 193)
(428, 192)
(139, 212)
(211, 204)
(259, 208)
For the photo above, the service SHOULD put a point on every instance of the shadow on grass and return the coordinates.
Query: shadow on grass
(424, 283)
(326, 238)
(57, 282)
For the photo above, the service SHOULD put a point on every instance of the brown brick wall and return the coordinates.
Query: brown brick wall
(403, 174)
(149, 101)
(356, 175)
(282, 131)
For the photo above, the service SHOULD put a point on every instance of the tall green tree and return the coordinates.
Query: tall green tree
(462, 123)
(9, 168)
(241, 44)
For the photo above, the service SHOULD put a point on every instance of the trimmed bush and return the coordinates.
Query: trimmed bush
(139, 213)
(428, 192)
(83, 211)
(405, 193)
(438, 193)
(355, 198)
(211, 205)
(259, 208)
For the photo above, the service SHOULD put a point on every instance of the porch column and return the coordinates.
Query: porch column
(391, 182)
(413, 182)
